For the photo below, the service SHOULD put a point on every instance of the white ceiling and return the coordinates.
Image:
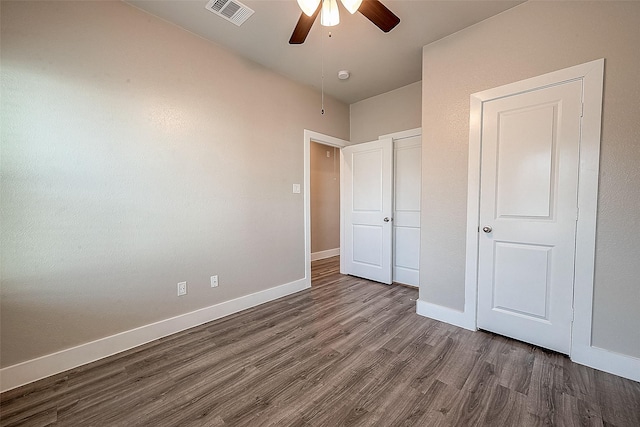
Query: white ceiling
(378, 62)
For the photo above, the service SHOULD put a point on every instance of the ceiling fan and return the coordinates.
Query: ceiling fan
(373, 10)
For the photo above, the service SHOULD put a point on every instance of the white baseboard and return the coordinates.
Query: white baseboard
(445, 314)
(607, 361)
(594, 357)
(51, 364)
(325, 254)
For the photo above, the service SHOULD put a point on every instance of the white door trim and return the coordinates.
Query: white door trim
(402, 134)
(591, 73)
(321, 138)
(582, 350)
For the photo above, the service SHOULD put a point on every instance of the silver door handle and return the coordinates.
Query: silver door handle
(387, 219)
(487, 229)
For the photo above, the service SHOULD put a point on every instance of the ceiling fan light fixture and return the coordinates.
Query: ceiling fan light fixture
(351, 5)
(373, 10)
(330, 15)
(308, 6)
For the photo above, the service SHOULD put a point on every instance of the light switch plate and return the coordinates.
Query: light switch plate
(296, 188)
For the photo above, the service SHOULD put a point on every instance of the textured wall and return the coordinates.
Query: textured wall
(390, 112)
(136, 155)
(528, 40)
(325, 197)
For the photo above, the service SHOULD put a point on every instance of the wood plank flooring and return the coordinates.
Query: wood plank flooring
(345, 352)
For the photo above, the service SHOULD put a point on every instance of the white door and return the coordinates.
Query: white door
(366, 195)
(528, 213)
(406, 211)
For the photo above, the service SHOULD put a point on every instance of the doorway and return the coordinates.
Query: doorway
(531, 284)
(329, 141)
(381, 189)
(406, 207)
(325, 201)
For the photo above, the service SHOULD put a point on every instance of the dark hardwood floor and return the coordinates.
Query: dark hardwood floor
(346, 352)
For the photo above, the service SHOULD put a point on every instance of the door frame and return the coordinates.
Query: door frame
(331, 141)
(591, 74)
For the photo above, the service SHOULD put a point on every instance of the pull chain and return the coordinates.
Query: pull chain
(322, 72)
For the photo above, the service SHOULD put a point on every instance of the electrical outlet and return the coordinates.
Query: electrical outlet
(214, 281)
(182, 288)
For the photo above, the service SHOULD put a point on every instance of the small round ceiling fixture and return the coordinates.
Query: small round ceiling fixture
(343, 74)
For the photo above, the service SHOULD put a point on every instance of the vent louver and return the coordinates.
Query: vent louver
(231, 10)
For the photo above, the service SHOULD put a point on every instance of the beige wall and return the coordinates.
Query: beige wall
(528, 40)
(136, 155)
(390, 112)
(325, 197)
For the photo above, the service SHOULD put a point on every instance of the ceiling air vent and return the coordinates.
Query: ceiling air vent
(231, 10)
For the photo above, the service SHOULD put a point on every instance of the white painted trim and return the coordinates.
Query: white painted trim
(473, 212)
(402, 134)
(325, 254)
(589, 150)
(309, 136)
(51, 364)
(307, 203)
(444, 314)
(343, 262)
(587, 208)
(608, 361)
(591, 74)
(582, 349)
(321, 138)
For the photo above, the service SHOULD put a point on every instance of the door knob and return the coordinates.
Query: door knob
(387, 219)
(487, 229)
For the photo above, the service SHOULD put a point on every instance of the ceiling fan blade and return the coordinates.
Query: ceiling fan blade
(304, 26)
(378, 13)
